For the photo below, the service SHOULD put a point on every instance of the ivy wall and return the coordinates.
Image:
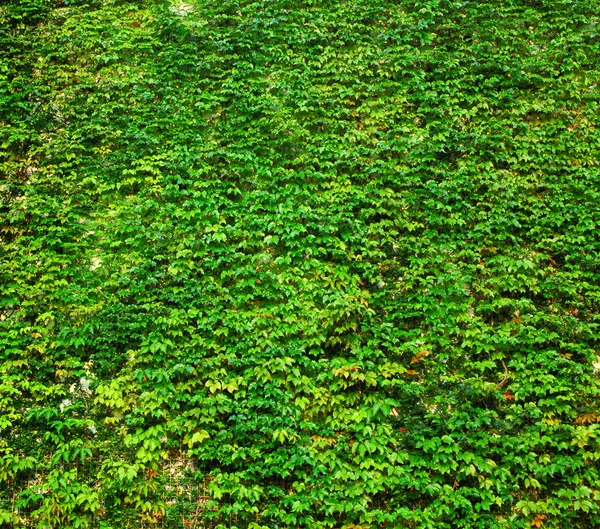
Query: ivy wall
(299, 264)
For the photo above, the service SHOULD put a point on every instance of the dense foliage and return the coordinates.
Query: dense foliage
(299, 264)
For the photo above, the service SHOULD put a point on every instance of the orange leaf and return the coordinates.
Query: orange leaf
(419, 357)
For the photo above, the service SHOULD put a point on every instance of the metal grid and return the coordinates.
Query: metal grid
(185, 497)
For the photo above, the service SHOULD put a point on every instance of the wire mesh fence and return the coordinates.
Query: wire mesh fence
(179, 495)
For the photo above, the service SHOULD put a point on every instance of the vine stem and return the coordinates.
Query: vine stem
(505, 379)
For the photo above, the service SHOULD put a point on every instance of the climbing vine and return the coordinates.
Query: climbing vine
(299, 264)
